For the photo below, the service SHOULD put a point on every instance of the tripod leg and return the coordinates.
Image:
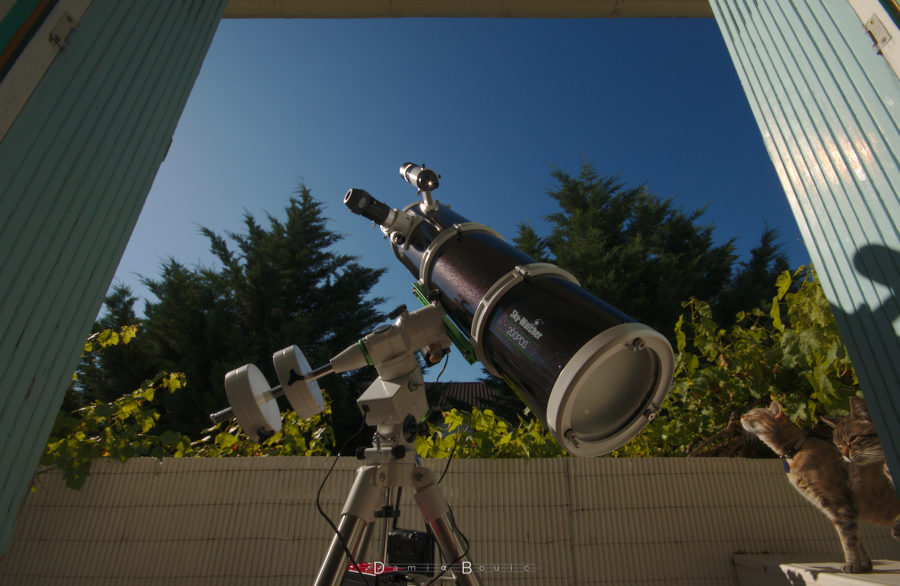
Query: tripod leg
(356, 516)
(334, 567)
(439, 518)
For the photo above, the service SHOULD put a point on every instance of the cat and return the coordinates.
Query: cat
(844, 493)
(856, 438)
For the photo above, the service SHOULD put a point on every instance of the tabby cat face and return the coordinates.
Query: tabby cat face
(768, 424)
(856, 438)
(760, 421)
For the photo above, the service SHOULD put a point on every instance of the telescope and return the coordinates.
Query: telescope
(591, 373)
(594, 375)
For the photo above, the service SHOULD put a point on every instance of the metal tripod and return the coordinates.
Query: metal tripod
(390, 463)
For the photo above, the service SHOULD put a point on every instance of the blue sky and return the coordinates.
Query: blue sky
(491, 105)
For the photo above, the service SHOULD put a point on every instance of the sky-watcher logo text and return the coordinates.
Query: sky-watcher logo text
(529, 326)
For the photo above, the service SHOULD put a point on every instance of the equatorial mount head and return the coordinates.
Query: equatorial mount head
(395, 399)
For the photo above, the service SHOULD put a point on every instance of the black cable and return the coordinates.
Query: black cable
(447, 467)
(443, 368)
(446, 361)
(453, 451)
(322, 512)
(461, 556)
(397, 507)
(461, 534)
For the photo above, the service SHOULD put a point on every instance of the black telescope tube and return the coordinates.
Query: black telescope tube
(360, 202)
(590, 372)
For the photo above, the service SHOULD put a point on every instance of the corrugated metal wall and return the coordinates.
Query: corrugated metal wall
(828, 106)
(76, 166)
(570, 521)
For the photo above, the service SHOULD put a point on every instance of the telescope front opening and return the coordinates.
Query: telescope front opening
(611, 397)
(610, 389)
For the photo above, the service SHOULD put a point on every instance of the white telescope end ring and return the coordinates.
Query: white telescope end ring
(444, 236)
(495, 294)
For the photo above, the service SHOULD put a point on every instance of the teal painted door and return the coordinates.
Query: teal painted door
(828, 106)
(77, 164)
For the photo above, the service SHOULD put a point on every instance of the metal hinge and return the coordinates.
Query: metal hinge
(878, 32)
(59, 36)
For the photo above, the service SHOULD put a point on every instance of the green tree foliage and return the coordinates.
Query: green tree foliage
(754, 280)
(118, 429)
(630, 247)
(279, 283)
(792, 353)
(481, 434)
(129, 425)
(297, 437)
(640, 253)
(123, 365)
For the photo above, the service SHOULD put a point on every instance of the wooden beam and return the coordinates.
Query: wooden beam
(468, 8)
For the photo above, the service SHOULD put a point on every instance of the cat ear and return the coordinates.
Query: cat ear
(831, 422)
(776, 410)
(859, 409)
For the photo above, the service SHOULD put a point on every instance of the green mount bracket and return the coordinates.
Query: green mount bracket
(456, 336)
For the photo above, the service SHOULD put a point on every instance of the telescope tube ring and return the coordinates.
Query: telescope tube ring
(495, 294)
(444, 236)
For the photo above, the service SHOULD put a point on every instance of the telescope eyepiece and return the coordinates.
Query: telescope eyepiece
(361, 202)
(419, 176)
